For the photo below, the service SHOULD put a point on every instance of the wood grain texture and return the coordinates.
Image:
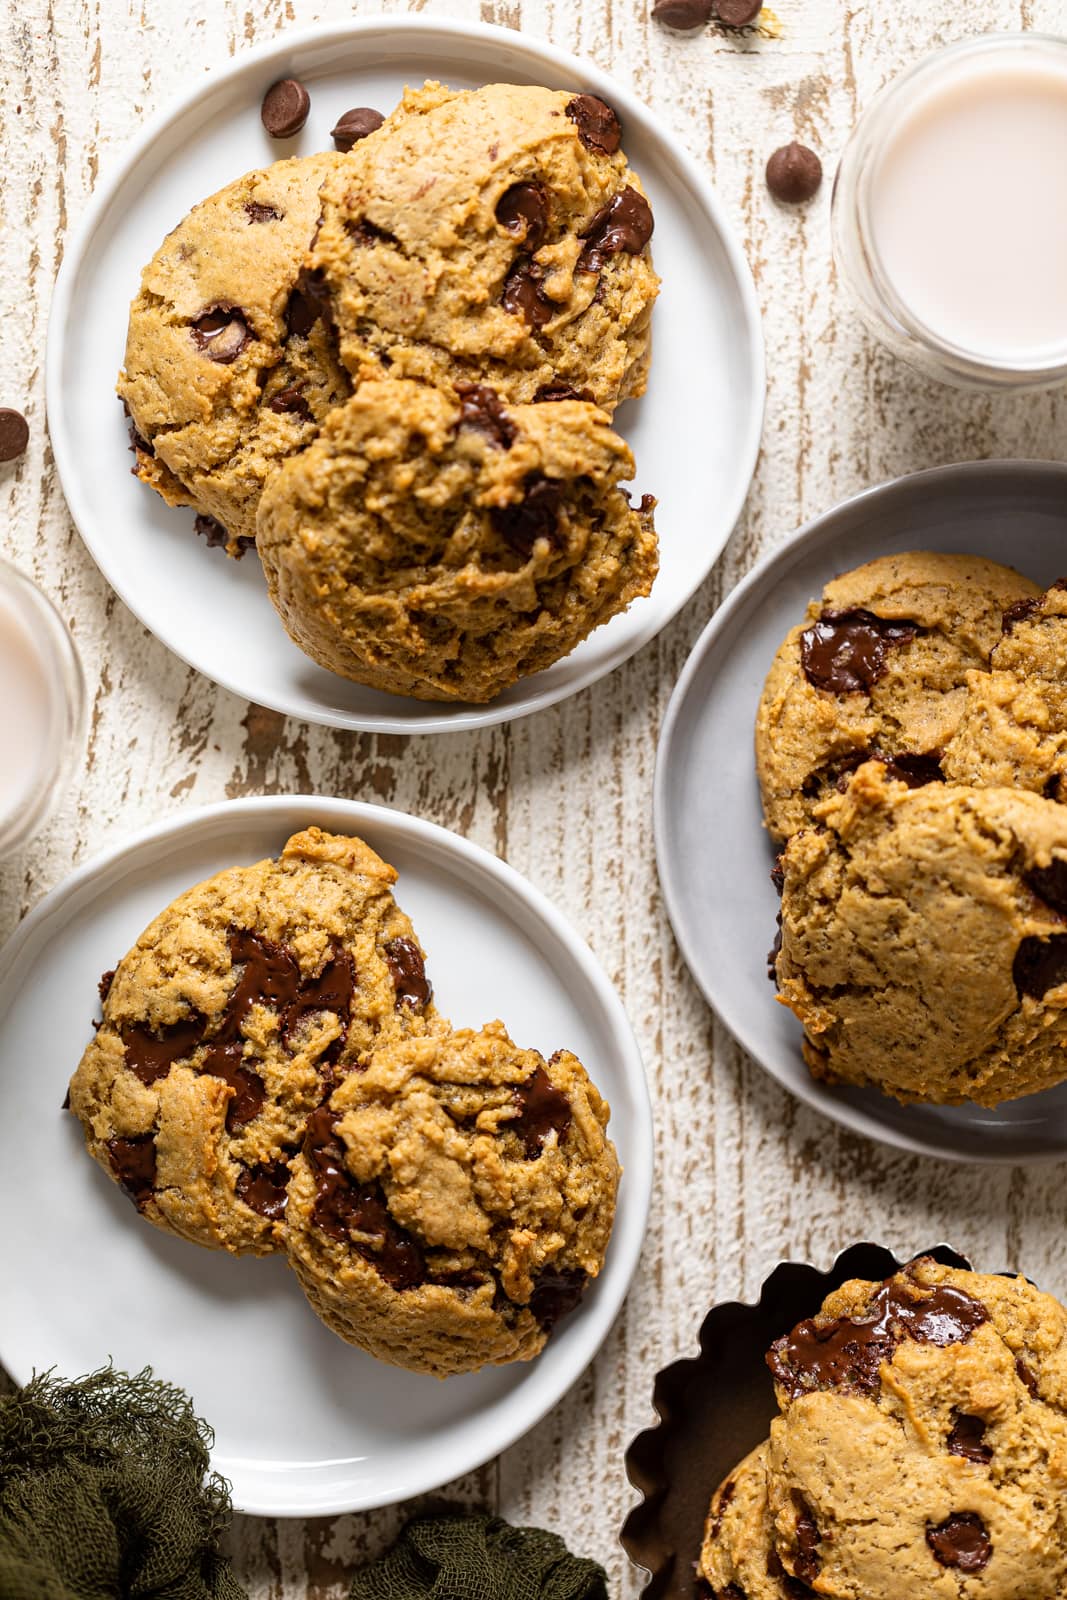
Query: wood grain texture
(745, 1175)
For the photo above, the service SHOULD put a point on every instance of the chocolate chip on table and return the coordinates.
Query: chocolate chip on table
(1050, 883)
(845, 651)
(14, 434)
(1040, 965)
(342, 1206)
(847, 1352)
(966, 1439)
(598, 127)
(221, 333)
(261, 213)
(625, 223)
(683, 14)
(523, 295)
(265, 1188)
(308, 302)
(562, 391)
(961, 1541)
(542, 1109)
(738, 13)
(535, 517)
(555, 1294)
(133, 1161)
(482, 408)
(354, 125)
(808, 1564)
(285, 108)
(522, 210)
(794, 174)
(405, 962)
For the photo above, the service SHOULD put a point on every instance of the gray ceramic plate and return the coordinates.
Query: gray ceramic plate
(714, 856)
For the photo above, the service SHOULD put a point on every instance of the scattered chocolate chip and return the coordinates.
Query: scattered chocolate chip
(265, 1188)
(914, 768)
(523, 295)
(342, 1208)
(966, 1439)
(794, 173)
(261, 213)
(1050, 884)
(555, 1294)
(523, 211)
(562, 391)
(290, 402)
(14, 434)
(738, 13)
(625, 223)
(807, 1562)
(845, 651)
(308, 302)
(408, 968)
(846, 1353)
(1040, 965)
(961, 1541)
(683, 14)
(133, 1161)
(598, 127)
(150, 1056)
(285, 108)
(1026, 1377)
(354, 125)
(1018, 611)
(103, 988)
(221, 333)
(542, 1108)
(535, 517)
(364, 232)
(481, 408)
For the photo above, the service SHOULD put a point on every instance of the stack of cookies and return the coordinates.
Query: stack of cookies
(921, 1449)
(393, 370)
(271, 1075)
(911, 744)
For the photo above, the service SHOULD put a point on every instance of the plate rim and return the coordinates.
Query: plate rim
(627, 1241)
(853, 1120)
(408, 26)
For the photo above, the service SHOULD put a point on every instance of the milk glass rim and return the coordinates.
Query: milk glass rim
(856, 170)
(67, 705)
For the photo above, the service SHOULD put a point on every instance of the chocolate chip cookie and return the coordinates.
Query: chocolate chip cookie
(924, 940)
(494, 235)
(227, 1024)
(438, 543)
(1013, 726)
(231, 360)
(452, 1199)
(922, 1446)
(738, 1557)
(878, 668)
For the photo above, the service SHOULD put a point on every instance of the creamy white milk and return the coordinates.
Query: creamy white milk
(27, 707)
(968, 207)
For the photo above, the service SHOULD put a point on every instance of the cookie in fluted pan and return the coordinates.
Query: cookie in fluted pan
(492, 235)
(231, 362)
(228, 1022)
(453, 1199)
(878, 668)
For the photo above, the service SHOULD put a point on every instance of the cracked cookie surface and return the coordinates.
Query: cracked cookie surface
(440, 544)
(924, 940)
(879, 667)
(492, 235)
(226, 1024)
(230, 363)
(452, 1199)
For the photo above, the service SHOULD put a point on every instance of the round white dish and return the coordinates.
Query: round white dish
(215, 613)
(304, 1424)
(713, 853)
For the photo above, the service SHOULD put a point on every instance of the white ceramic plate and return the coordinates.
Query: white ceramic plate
(714, 856)
(215, 614)
(304, 1425)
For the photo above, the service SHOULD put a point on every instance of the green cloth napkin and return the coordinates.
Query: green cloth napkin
(105, 1491)
(478, 1558)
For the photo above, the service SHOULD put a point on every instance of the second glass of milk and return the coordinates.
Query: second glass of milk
(950, 212)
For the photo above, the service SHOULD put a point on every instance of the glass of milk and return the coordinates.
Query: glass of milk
(42, 707)
(950, 213)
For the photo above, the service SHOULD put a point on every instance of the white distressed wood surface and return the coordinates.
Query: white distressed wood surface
(745, 1176)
